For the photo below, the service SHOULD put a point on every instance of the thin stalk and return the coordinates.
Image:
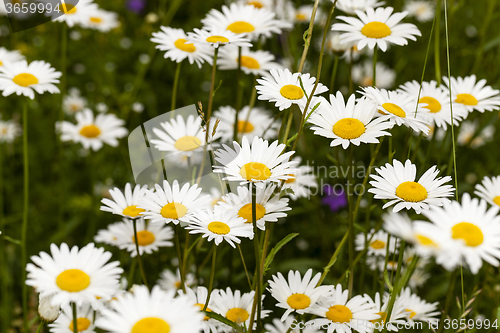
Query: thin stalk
(309, 36)
(375, 66)
(351, 221)
(186, 253)
(64, 61)
(256, 301)
(333, 259)
(449, 298)
(75, 318)
(40, 326)
(212, 274)
(3, 258)
(130, 279)
(24, 227)
(174, 88)
(239, 96)
(482, 34)
(334, 72)
(177, 242)
(437, 61)
(244, 266)
(288, 125)
(139, 257)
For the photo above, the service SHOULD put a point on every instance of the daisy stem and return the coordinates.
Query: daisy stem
(288, 125)
(39, 329)
(449, 297)
(131, 272)
(351, 220)
(174, 88)
(25, 214)
(257, 296)
(3, 258)
(139, 257)
(375, 49)
(64, 65)
(177, 241)
(334, 72)
(437, 62)
(333, 259)
(244, 266)
(309, 36)
(75, 318)
(239, 96)
(212, 274)
(185, 257)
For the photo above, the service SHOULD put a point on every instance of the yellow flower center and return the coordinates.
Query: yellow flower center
(215, 39)
(411, 192)
(240, 27)
(219, 228)
(1, 63)
(144, 238)
(246, 212)
(300, 17)
(470, 233)
(425, 241)
(381, 320)
(349, 128)
(432, 104)
(339, 314)
(187, 143)
(73, 280)
(255, 171)
(497, 200)
(25, 79)
(376, 29)
(291, 92)
(412, 313)
(256, 4)
(377, 244)
(237, 315)
(95, 20)
(151, 325)
(367, 81)
(466, 99)
(394, 109)
(245, 126)
(201, 306)
(290, 180)
(81, 324)
(69, 8)
(249, 62)
(90, 131)
(181, 45)
(298, 301)
(173, 210)
(132, 211)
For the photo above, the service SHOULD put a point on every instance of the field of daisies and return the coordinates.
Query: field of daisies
(277, 166)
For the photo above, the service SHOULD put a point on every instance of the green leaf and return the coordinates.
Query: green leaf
(224, 320)
(289, 141)
(12, 240)
(312, 111)
(388, 280)
(278, 247)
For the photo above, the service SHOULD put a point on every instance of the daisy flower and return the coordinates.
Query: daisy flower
(235, 306)
(46, 311)
(473, 95)
(102, 20)
(335, 44)
(297, 294)
(76, 12)
(220, 224)
(125, 203)
(302, 182)
(259, 162)
(84, 322)
(74, 102)
(198, 297)
(109, 235)
(7, 56)
(348, 123)
(416, 308)
(215, 195)
(418, 278)
(398, 314)
(303, 14)
(252, 62)
(177, 47)
(378, 243)
(284, 9)
(268, 207)
(22, 78)
(259, 124)
(437, 100)
(377, 263)
(171, 203)
(150, 238)
(279, 326)
(397, 183)
(74, 275)
(284, 88)
(218, 37)
(245, 19)
(155, 311)
(422, 10)
(400, 107)
(93, 132)
(351, 6)
(362, 74)
(342, 314)
(376, 28)
(467, 134)
(474, 229)
(9, 130)
(489, 190)
(170, 281)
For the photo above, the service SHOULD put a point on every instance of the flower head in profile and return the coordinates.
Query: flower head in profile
(362, 74)
(125, 203)
(255, 62)
(102, 20)
(489, 190)
(25, 79)
(7, 56)
(85, 321)
(351, 6)
(416, 308)
(9, 131)
(422, 10)
(397, 183)
(218, 37)
(76, 12)
(302, 182)
(73, 102)
(378, 27)
(376, 243)
(471, 94)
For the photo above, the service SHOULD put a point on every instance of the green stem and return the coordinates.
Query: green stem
(212, 274)
(351, 220)
(139, 257)
(333, 259)
(375, 66)
(309, 36)
(334, 72)
(40, 326)
(449, 298)
(239, 96)
(3, 258)
(64, 61)
(130, 280)
(437, 61)
(24, 227)
(177, 242)
(174, 88)
(75, 318)
(288, 125)
(244, 266)
(256, 302)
